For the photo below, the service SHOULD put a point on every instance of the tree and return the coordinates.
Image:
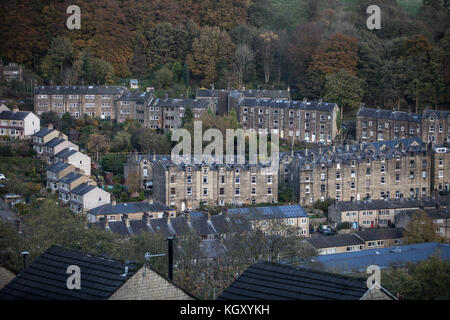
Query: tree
(188, 116)
(185, 76)
(121, 142)
(208, 49)
(58, 58)
(97, 143)
(164, 77)
(241, 61)
(340, 52)
(421, 229)
(344, 89)
(426, 280)
(268, 41)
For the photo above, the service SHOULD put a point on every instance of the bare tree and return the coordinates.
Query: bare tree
(267, 40)
(242, 59)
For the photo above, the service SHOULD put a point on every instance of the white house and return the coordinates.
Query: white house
(18, 124)
(86, 197)
(75, 158)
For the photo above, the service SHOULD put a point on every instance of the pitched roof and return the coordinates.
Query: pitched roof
(83, 189)
(339, 240)
(67, 152)
(11, 115)
(274, 281)
(178, 103)
(43, 132)
(371, 234)
(389, 114)
(386, 204)
(45, 278)
(96, 90)
(58, 167)
(274, 212)
(54, 142)
(129, 207)
(280, 103)
(71, 177)
(358, 261)
(139, 97)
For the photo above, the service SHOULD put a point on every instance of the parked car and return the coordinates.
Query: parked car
(2, 176)
(326, 230)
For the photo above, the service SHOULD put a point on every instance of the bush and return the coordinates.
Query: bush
(344, 225)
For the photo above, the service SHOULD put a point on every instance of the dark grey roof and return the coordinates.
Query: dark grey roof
(130, 207)
(274, 281)
(139, 97)
(273, 212)
(139, 226)
(71, 177)
(65, 153)
(202, 226)
(178, 103)
(45, 278)
(371, 234)
(301, 105)
(339, 240)
(11, 115)
(440, 114)
(220, 223)
(83, 189)
(58, 167)
(96, 90)
(119, 227)
(386, 204)
(389, 114)
(43, 132)
(160, 226)
(54, 142)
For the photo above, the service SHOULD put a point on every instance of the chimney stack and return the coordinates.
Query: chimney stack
(50, 125)
(150, 200)
(113, 201)
(24, 255)
(166, 213)
(106, 222)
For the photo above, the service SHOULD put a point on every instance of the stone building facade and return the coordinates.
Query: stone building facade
(134, 105)
(391, 169)
(300, 120)
(188, 186)
(441, 168)
(98, 101)
(381, 125)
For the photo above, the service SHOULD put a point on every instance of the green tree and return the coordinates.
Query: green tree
(164, 77)
(344, 89)
(188, 116)
(58, 58)
(421, 229)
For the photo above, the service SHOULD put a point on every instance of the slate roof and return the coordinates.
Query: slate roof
(386, 204)
(45, 278)
(139, 97)
(119, 227)
(10, 115)
(58, 167)
(83, 189)
(129, 207)
(358, 261)
(274, 281)
(389, 114)
(43, 132)
(71, 177)
(89, 90)
(440, 114)
(339, 240)
(358, 152)
(54, 142)
(67, 152)
(279, 103)
(371, 234)
(178, 103)
(202, 226)
(250, 93)
(275, 212)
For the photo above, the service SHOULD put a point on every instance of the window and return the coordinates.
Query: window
(205, 179)
(269, 191)
(221, 191)
(205, 191)
(189, 191)
(237, 191)
(189, 179)
(269, 179)
(382, 180)
(253, 179)
(222, 179)
(382, 169)
(172, 191)
(238, 180)
(368, 172)
(253, 191)
(172, 179)
(411, 174)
